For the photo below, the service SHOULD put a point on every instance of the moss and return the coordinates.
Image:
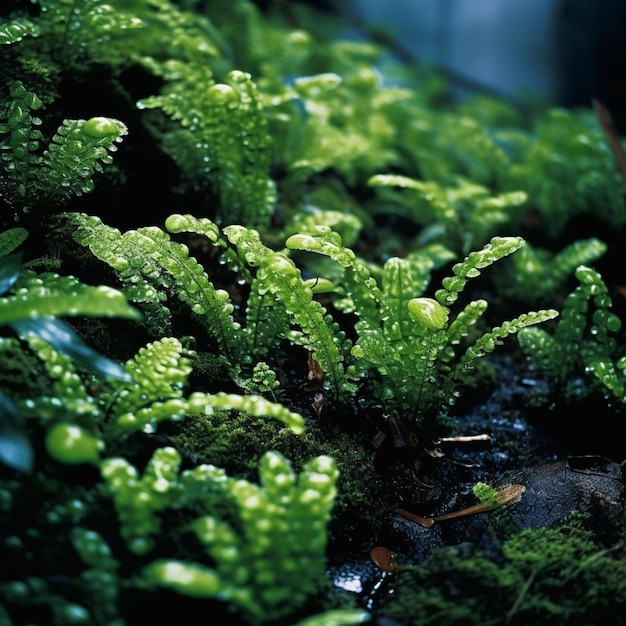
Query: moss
(543, 576)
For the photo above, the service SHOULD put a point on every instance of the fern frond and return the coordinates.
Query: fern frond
(583, 337)
(148, 256)
(199, 403)
(67, 385)
(357, 281)
(78, 151)
(536, 274)
(50, 295)
(278, 275)
(470, 267)
(19, 147)
(463, 216)
(402, 281)
(488, 342)
(459, 328)
(158, 370)
(224, 140)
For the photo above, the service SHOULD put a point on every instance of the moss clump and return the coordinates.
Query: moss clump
(556, 576)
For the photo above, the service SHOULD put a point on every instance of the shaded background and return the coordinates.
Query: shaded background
(560, 52)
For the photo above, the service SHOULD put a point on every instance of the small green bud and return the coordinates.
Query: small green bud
(428, 313)
(71, 444)
(185, 578)
(73, 614)
(100, 127)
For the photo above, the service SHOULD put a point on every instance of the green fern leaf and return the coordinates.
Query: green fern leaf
(16, 29)
(51, 295)
(18, 149)
(470, 267)
(147, 256)
(159, 370)
(278, 275)
(76, 153)
(488, 342)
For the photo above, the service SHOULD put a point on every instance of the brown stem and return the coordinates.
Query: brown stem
(506, 495)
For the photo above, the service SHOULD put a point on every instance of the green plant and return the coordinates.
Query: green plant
(462, 216)
(30, 304)
(274, 559)
(405, 344)
(223, 142)
(539, 275)
(584, 341)
(78, 150)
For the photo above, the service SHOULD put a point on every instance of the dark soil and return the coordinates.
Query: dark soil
(567, 461)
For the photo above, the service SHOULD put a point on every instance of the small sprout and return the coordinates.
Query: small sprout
(72, 444)
(506, 495)
(100, 127)
(428, 312)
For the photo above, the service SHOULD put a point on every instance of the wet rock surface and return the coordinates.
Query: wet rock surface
(559, 477)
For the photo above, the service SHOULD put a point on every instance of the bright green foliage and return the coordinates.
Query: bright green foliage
(30, 304)
(537, 275)
(138, 499)
(278, 277)
(328, 120)
(47, 294)
(407, 344)
(486, 494)
(278, 297)
(452, 145)
(151, 392)
(462, 216)
(79, 29)
(223, 144)
(273, 560)
(77, 151)
(145, 259)
(568, 169)
(584, 340)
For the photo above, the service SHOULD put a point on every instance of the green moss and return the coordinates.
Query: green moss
(539, 576)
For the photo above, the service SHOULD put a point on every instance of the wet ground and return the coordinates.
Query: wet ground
(563, 459)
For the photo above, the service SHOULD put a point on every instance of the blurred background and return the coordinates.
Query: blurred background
(560, 52)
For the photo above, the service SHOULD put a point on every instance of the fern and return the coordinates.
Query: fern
(224, 141)
(536, 274)
(583, 341)
(78, 150)
(316, 331)
(569, 170)
(151, 266)
(462, 216)
(151, 392)
(407, 342)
